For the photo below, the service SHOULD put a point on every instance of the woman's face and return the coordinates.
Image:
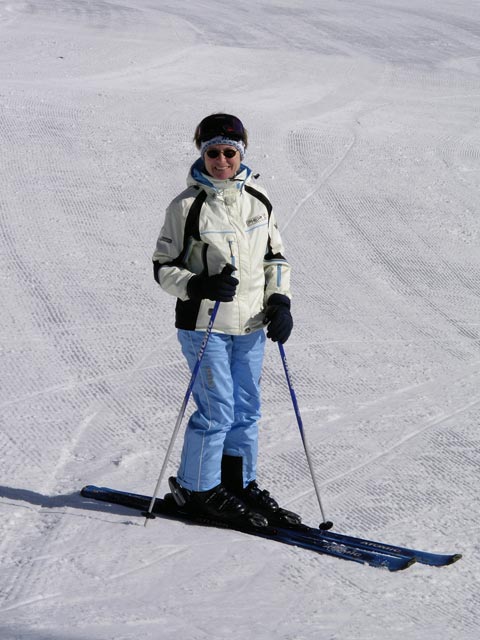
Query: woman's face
(222, 167)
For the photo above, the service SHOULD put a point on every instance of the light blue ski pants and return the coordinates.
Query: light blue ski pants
(227, 395)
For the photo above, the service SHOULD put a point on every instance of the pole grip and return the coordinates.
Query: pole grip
(229, 268)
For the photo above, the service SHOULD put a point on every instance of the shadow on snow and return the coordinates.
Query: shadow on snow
(70, 500)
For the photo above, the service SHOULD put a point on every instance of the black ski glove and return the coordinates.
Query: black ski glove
(220, 287)
(278, 318)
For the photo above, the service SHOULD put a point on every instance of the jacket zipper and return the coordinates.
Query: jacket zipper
(232, 255)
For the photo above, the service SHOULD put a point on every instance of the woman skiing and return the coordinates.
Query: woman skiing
(220, 241)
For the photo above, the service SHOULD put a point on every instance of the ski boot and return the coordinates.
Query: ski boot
(257, 499)
(217, 505)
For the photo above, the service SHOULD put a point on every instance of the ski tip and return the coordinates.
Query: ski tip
(409, 563)
(454, 558)
(394, 563)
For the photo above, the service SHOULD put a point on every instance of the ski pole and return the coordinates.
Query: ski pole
(148, 514)
(326, 524)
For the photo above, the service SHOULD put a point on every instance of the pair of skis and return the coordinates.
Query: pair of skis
(375, 554)
(322, 540)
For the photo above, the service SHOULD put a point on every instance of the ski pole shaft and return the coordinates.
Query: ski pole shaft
(183, 408)
(325, 524)
(148, 514)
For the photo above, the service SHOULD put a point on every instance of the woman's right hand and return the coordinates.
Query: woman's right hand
(221, 286)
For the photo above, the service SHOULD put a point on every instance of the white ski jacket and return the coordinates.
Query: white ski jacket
(210, 224)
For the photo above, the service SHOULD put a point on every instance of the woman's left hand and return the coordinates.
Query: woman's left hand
(278, 318)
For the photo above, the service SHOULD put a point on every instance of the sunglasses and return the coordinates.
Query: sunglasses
(214, 153)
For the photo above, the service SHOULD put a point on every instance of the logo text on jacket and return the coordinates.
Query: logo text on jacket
(256, 219)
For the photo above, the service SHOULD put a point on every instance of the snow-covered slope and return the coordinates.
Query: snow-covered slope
(364, 124)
